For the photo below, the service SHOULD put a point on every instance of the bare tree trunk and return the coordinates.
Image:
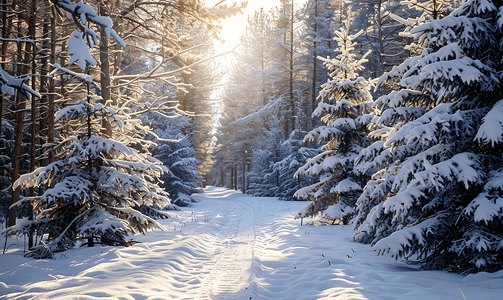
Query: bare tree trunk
(380, 34)
(244, 176)
(5, 31)
(43, 81)
(52, 90)
(18, 132)
(33, 140)
(236, 176)
(5, 34)
(232, 177)
(292, 105)
(315, 62)
(105, 73)
(248, 179)
(18, 137)
(435, 10)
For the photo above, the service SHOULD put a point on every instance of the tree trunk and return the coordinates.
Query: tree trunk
(52, 90)
(105, 73)
(33, 140)
(315, 63)
(244, 176)
(435, 10)
(44, 70)
(236, 177)
(18, 131)
(292, 106)
(381, 41)
(5, 34)
(5, 31)
(232, 177)
(18, 138)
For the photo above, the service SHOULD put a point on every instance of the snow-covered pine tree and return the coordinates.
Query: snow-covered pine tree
(346, 101)
(428, 10)
(175, 151)
(373, 159)
(436, 194)
(264, 180)
(98, 188)
(295, 155)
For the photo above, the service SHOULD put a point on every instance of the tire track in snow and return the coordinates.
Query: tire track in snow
(231, 274)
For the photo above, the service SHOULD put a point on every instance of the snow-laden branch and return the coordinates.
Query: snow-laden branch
(80, 76)
(9, 84)
(265, 110)
(491, 130)
(18, 40)
(82, 13)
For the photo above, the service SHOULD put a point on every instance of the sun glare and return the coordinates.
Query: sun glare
(234, 27)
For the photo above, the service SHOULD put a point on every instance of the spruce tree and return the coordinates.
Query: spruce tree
(436, 191)
(175, 151)
(295, 154)
(102, 186)
(344, 109)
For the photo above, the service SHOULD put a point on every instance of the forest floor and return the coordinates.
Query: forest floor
(233, 246)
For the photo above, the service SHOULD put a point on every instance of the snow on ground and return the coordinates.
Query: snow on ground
(232, 246)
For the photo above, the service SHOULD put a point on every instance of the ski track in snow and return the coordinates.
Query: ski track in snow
(232, 246)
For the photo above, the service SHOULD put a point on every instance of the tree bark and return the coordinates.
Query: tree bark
(291, 121)
(315, 62)
(18, 138)
(52, 90)
(18, 131)
(244, 176)
(236, 176)
(5, 34)
(33, 140)
(105, 73)
(5, 31)
(232, 177)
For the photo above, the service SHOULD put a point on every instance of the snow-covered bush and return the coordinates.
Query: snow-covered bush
(437, 189)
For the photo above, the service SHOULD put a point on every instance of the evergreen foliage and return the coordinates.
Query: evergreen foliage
(254, 100)
(294, 156)
(265, 112)
(97, 180)
(435, 194)
(175, 151)
(98, 185)
(346, 100)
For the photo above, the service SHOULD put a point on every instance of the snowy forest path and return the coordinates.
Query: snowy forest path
(230, 274)
(234, 246)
